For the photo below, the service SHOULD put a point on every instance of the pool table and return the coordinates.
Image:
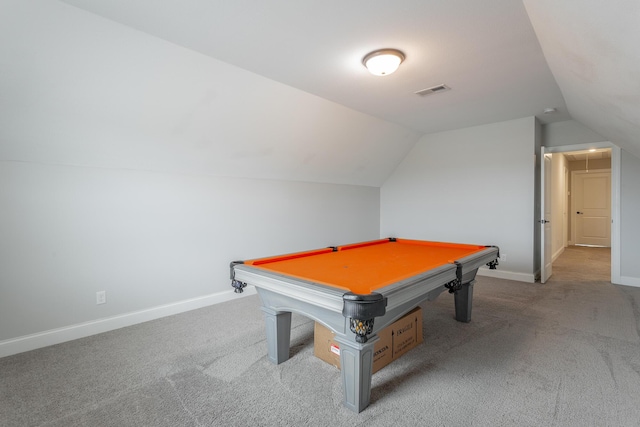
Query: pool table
(356, 290)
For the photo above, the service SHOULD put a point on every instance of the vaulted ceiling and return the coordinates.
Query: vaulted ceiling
(593, 52)
(502, 59)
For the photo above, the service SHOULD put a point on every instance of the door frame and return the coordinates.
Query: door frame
(615, 200)
(546, 255)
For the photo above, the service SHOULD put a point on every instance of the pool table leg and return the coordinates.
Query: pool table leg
(356, 366)
(278, 324)
(463, 300)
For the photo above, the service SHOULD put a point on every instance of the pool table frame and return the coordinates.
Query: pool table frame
(282, 294)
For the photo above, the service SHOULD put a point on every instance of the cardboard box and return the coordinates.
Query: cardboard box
(395, 340)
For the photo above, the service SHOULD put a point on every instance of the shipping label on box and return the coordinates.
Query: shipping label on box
(394, 341)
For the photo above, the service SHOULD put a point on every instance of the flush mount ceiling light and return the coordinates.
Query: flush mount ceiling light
(383, 62)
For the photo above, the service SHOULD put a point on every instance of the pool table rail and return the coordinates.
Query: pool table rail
(365, 314)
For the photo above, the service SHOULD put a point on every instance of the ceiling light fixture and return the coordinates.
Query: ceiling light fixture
(383, 62)
(549, 111)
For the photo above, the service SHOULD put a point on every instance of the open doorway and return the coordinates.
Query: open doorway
(580, 215)
(585, 191)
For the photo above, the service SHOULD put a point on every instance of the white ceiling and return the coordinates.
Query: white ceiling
(582, 155)
(501, 59)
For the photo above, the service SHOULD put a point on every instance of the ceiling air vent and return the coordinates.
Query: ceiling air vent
(432, 90)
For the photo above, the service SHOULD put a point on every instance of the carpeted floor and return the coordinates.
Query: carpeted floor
(566, 353)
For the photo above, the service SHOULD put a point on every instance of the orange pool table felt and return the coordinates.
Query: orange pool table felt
(362, 268)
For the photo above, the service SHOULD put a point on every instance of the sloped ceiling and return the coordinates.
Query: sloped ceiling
(593, 50)
(486, 51)
(80, 90)
(503, 59)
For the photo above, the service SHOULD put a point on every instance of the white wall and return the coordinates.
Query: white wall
(559, 208)
(132, 165)
(629, 215)
(568, 132)
(473, 185)
(573, 133)
(150, 239)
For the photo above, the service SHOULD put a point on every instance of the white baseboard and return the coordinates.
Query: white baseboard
(81, 330)
(555, 256)
(509, 275)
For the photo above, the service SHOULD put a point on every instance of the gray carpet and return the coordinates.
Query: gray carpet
(566, 353)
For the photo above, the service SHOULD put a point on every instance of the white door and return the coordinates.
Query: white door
(592, 208)
(545, 216)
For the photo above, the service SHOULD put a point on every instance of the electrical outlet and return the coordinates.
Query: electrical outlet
(503, 257)
(101, 297)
